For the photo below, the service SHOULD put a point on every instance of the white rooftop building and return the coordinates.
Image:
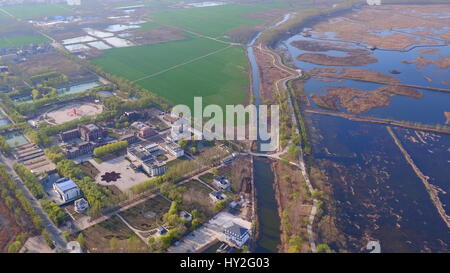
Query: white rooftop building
(221, 182)
(66, 189)
(236, 234)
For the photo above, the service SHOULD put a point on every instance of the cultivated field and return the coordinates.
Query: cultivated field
(218, 20)
(22, 40)
(180, 70)
(36, 10)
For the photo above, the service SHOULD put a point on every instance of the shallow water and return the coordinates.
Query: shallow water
(378, 195)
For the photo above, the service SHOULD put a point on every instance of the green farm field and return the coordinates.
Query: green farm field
(6, 42)
(219, 79)
(218, 20)
(35, 11)
(180, 70)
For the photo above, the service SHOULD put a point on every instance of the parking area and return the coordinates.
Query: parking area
(125, 176)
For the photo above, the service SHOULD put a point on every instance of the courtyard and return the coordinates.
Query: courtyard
(118, 169)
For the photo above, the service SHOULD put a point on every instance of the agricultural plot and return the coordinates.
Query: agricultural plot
(180, 70)
(137, 62)
(18, 41)
(148, 214)
(34, 11)
(217, 20)
(219, 79)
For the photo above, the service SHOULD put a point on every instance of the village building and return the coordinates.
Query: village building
(217, 196)
(236, 235)
(91, 132)
(69, 135)
(185, 216)
(130, 138)
(78, 149)
(66, 189)
(144, 157)
(81, 205)
(221, 182)
(154, 168)
(173, 149)
(147, 132)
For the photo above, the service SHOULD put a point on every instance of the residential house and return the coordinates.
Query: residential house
(221, 182)
(217, 196)
(236, 234)
(81, 205)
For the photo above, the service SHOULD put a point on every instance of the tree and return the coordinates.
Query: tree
(35, 94)
(323, 248)
(14, 247)
(295, 244)
(81, 241)
(4, 146)
(110, 148)
(182, 143)
(220, 205)
(294, 151)
(133, 244)
(215, 171)
(194, 150)
(113, 244)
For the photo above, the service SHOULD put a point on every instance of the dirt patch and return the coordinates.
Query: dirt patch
(53, 62)
(359, 101)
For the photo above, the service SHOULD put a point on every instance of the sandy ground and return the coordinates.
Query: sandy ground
(73, 111)
(36, 244)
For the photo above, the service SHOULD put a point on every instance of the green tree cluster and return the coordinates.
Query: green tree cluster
(30, 180)
(56, 214)
(110, 148)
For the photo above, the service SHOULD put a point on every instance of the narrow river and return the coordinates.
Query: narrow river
(268, 218)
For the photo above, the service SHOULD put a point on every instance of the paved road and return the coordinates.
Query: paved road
(54, 232)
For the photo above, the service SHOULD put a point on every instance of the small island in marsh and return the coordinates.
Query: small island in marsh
(359, 101)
